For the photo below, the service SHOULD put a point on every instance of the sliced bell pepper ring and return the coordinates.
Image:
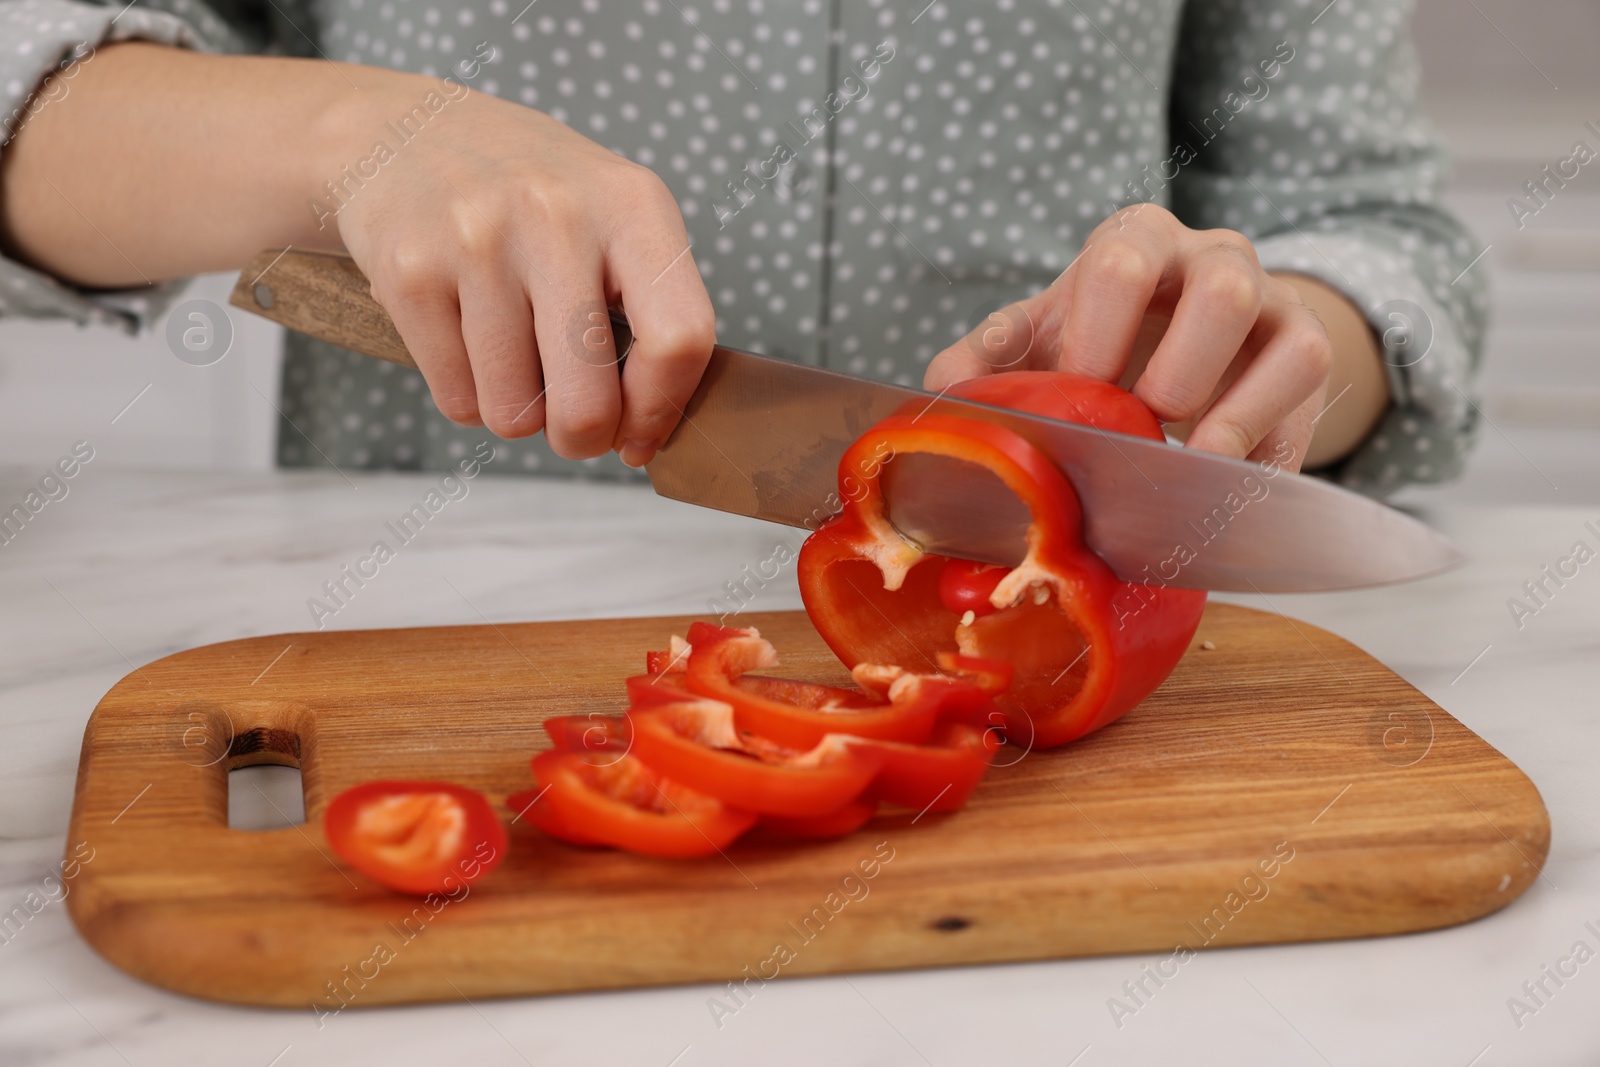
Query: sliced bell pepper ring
(838, 823)
(670, 660)
(621, 802)
(696, 743)
(895, 704)
(525, 807)
(416, 837)
(1086, 646)
(588, 733)
(669, 687)
(937, 776)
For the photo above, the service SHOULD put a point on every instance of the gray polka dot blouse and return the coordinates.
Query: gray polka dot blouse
(865, 180)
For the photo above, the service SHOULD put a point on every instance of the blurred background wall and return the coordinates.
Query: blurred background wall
(1509, 83)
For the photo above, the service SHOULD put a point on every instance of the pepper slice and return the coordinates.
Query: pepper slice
(846, 820)
(600, 798)
(894, 704)
(937, 776)
(1086, 646)
(670, 687)
(416, 837)
(588, 733)
(696, 743)
(525, 805)
(670, 660)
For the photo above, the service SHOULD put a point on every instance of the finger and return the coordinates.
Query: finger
(497, 326)
(1008, 338)
(674, 329)
(1114, 281)
(421, 300)
(1221, 300)
(1288, 443)
(1290, 369)
(582, 402)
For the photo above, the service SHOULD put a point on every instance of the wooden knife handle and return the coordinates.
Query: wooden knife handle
(325, 295)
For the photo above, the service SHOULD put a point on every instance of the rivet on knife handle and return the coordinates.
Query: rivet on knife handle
(323, 294)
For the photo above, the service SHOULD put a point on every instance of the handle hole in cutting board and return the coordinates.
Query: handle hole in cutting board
(265, 788)
(265, 796)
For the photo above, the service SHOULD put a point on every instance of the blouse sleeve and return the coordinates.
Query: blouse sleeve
(1299, 120)
(38, 37)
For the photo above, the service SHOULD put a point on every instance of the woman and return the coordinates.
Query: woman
(1228, 206)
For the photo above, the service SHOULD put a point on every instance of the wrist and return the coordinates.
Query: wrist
(349, 139)
(1358, 383)
(361, 136)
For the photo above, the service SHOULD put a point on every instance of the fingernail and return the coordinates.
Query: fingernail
(636, 451)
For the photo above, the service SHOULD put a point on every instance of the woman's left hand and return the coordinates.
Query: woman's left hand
(1187, 319)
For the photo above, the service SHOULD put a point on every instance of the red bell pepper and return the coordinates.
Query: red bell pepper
(671, 687)
(893, 704)
(416, 837)
(706, 749)
(937, 776)
(1079, 662)
(670, 660)
(525, 806)
(601, 798)
(588, 733)
(838, 823)
(696, 743)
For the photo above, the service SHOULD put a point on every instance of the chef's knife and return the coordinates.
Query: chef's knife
(763, 437)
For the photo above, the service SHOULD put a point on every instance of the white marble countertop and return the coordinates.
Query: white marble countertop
(130, 567)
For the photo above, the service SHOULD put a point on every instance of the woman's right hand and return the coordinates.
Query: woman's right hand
(496, 238)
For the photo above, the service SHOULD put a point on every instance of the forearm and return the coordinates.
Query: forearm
(159, 163)
(1358, 388)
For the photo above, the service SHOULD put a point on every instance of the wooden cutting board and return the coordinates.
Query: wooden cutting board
(1281, 786)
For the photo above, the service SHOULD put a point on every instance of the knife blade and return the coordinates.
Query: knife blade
(764, 437)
